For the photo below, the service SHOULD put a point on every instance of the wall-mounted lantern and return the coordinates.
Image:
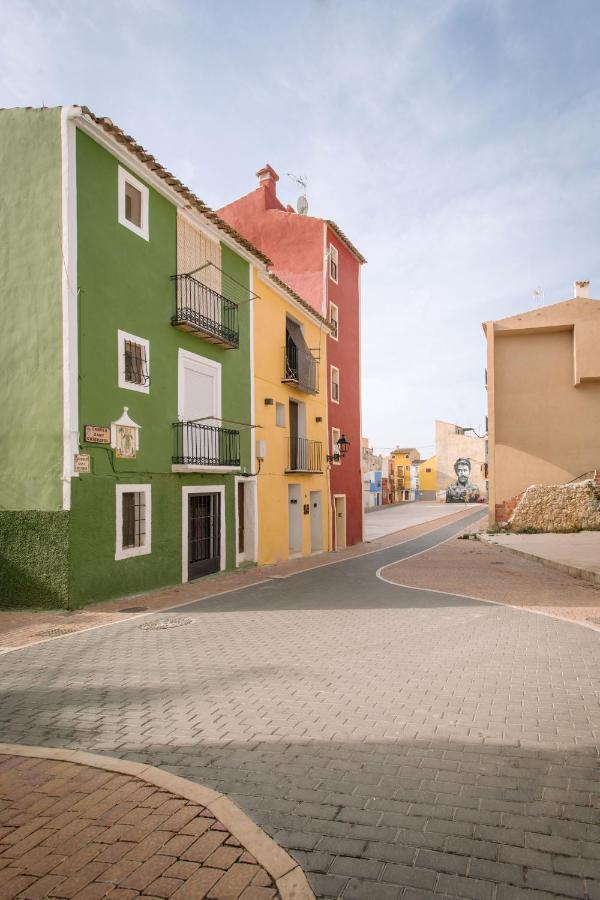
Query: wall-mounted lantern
(340, 449)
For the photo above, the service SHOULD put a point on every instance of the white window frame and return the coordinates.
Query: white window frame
(335, 319)
(336, 434)
(123, 336)
(202, 362)
(331, 371)
(142, 231)
(127, 552)
(334, 258)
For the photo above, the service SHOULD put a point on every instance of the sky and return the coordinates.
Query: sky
(456, 142)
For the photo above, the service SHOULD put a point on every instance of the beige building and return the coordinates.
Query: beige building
(453, 442)
(543, 380)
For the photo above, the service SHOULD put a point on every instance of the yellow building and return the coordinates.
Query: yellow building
(427, 478)
(403, 482)
(290, 398)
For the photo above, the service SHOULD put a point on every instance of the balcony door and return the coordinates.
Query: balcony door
(298, 443)
(200, 405)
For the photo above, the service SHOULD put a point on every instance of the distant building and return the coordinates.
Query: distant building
(454, 443)
(404, 474)
(543, 381)
(371, 468)
(427, 476)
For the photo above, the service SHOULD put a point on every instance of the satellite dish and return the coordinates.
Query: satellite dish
(302, 205)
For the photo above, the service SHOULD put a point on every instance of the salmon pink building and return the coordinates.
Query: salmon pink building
(315, 258)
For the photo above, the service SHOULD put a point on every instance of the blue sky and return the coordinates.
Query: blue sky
(455, 141)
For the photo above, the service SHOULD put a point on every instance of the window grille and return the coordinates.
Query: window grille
(136, 363)
(134, 519)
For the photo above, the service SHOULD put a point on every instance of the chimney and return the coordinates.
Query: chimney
(267, 179)
(582, 289)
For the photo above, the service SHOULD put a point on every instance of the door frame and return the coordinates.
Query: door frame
(335, 497)
(200, 489)
(250, 554)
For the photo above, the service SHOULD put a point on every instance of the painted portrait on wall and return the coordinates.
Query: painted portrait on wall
(462, 490)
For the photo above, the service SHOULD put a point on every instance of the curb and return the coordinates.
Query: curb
(574, 571)
(289, 878)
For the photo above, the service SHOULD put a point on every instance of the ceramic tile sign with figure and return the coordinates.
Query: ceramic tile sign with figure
(462, 490)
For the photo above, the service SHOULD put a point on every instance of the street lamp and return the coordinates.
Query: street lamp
(343, 445)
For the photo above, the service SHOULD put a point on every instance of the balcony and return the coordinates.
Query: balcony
(202, 310)
(197, 444)
(301, 369)
(305, 455)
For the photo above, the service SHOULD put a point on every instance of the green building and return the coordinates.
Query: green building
(127, 447)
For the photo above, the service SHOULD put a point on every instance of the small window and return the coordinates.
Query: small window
(132, 520)
(133, 204)
(335, 436)
(134, 362)
(335, 384)
(334, 320)
(428, 470)
(280, 414)
(333, 263)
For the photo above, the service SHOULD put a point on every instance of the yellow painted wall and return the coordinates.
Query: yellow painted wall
(427, 480)
(269, 341)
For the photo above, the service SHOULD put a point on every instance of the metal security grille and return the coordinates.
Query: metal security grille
(134, 519)
(136, 363)
(204, 534)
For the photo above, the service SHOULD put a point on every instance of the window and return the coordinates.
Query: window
(133, 520)
(133, 204)
(334, 319)
(280, 414)
(333, 263)
(335, 384)
(428, 470)
(134, 362)
(335, 436)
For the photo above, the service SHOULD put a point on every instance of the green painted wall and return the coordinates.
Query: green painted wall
(125, 283)
(34, 558)
(31, 447)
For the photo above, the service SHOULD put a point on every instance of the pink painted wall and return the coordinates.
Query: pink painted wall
(294, 243)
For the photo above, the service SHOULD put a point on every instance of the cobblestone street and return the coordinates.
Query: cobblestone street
(398, 743)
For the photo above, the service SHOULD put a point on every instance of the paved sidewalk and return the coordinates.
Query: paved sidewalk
(576, 554)
(388, 519)
(19, 628)
(490, 572)
(71, 830)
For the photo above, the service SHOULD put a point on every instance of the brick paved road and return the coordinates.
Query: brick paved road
(400, 744)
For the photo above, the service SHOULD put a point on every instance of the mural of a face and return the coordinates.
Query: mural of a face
(462, 490)
(462, 467)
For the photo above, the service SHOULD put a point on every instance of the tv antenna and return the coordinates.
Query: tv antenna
(302, 202)
(538, 295)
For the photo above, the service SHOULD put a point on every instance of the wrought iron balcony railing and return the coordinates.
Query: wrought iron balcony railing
(201, 309)
(301, 369)
(305, 455)
(197, 444)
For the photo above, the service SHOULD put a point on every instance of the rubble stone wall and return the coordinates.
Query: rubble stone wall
(559, 507)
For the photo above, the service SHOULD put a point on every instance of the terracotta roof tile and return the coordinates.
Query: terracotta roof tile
(299, 300)
(346, 240)
(148, 160)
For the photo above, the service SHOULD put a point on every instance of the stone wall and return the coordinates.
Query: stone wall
(559, 507)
